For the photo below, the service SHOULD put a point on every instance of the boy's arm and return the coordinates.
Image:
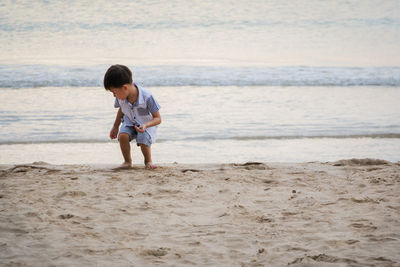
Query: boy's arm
(155, 121)
(118, 118)
(117, 122)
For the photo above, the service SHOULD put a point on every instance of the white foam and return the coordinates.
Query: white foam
(23, 76)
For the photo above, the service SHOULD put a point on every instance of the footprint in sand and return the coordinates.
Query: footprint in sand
(364, 200)
(71, 194)
(65, 216)
(263, 219)
(323, 258)
(159, 252)
(367, 227)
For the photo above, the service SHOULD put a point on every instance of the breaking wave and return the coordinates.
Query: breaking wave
(28, 76)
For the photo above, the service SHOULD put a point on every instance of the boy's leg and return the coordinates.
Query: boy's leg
(146, 150)
(124, 143)
(144, 141)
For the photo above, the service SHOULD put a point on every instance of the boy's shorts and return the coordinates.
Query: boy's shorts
(141, 138)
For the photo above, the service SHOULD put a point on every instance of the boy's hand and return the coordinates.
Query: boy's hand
(141, 129)
(114, 132)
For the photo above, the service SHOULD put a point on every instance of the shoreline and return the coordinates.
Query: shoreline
(250, 214)
(220, 152)
(103, 166)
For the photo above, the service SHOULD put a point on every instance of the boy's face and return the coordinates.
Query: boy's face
(120, 93)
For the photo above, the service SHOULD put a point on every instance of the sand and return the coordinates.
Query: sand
(344, 213)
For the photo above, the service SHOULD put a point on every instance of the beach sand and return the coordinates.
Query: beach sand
(344, 213)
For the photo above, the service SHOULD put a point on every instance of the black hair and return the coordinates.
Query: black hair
(116, 76)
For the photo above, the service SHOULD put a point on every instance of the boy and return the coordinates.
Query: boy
(138, 111)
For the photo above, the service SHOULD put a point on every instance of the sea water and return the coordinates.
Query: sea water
(237, 80)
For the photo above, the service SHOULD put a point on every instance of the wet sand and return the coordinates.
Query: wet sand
(254, 214)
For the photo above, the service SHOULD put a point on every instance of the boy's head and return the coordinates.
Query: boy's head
(117, 76)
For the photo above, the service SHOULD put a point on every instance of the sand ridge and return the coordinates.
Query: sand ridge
(252, 214)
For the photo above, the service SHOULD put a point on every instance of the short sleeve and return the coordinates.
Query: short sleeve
(152, 105)
(116, 103)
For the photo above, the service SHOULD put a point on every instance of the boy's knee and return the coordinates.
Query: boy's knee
(124, 137)
(144, 146)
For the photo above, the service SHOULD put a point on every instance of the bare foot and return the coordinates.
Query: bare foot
(150, 166)
(124, 166)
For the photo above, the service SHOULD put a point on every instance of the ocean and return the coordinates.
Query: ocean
(237, 81)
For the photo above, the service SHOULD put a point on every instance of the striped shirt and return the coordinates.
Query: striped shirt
(140, 112)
